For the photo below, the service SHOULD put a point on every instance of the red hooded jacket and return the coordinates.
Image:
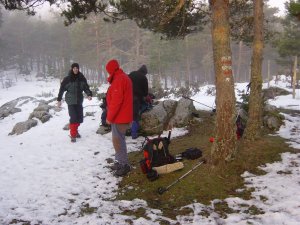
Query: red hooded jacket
(119, 95)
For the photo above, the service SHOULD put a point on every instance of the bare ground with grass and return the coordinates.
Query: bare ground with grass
(207, 182)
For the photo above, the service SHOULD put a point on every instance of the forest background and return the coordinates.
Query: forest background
(45, 44)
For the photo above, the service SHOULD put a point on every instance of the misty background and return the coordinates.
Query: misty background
(44, 44)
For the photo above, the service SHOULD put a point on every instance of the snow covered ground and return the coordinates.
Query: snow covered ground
(46, 179)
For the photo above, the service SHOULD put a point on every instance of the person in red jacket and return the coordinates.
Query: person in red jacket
(119, 99)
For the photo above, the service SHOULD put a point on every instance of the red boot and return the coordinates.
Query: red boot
(77, 134)
(73, 130)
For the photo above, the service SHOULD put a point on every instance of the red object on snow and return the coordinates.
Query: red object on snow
(74, 129)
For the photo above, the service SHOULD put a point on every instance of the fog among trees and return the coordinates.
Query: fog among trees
(48, 46)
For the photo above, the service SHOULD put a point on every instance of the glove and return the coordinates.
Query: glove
(148, 99)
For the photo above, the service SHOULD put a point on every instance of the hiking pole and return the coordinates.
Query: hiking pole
(146, 139)
(161, 190)
(199, 103)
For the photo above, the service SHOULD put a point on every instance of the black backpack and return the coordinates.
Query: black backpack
(156, 153)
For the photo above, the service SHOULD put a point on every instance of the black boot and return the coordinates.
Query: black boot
(115, 166)
(123, 170)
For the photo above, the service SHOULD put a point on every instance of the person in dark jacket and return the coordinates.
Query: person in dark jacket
(119, 113)
(103, 106)
(74, 84)
(140, 92)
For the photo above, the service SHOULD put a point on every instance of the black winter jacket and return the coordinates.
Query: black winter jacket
(139, 82)
(74, 85)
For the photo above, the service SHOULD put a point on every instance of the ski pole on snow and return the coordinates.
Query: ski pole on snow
(198, 102)
(161, 190)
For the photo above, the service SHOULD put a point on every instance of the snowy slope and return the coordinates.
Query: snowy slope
(46, 179)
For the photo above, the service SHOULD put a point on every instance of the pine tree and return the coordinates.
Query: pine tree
(224, 146)
(254, 123)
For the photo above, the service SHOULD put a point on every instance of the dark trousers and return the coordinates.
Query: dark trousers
(136, 117)
(136, 108)
(75, 113)
(103, 117)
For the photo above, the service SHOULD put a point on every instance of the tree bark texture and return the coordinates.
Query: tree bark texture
(224, 145)
(254, 123)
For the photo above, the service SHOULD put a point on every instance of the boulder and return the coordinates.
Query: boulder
(270, 108)
(272, 117)
(183, 113)
(243, 114)
(156, 120)
(22, 127)
(6, 112)
(272, 122)
(41, 112)
(165, 114)
(10, 108)
(43, 116)
(272, 92)
(43, 107)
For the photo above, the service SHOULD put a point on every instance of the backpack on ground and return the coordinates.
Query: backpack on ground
(156, 153)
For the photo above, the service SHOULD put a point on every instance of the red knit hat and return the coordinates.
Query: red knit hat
(112, 66)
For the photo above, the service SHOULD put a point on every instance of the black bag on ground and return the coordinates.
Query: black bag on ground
(192, 153)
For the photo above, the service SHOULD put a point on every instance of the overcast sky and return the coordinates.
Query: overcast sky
(279, 4)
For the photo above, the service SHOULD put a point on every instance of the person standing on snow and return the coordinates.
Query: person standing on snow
(140, 92)
(74, 84)
(119, 114)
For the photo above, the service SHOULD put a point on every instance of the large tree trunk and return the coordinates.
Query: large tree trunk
(224, 145)
(254, 123)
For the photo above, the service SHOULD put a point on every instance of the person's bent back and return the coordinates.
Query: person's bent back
(140, 91)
